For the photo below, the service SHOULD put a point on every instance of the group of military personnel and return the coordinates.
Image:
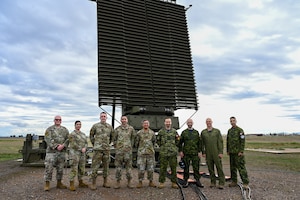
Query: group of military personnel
(190, 144)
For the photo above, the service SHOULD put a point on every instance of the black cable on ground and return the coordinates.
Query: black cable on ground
(199, 192)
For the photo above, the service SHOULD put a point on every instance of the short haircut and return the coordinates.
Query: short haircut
(146, 120)
(76, 122)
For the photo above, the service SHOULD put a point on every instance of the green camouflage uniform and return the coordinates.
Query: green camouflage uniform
(53, 137)
(77, 159)
(101, 135)
(190, 144)
(123, 142)
(145, 142)
(236, 144)
(213, 146)
(168, 142)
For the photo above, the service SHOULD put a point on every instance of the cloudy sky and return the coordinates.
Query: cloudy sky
(246, 56)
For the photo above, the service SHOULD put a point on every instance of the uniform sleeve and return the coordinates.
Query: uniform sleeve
(115, 137)
(137, 140)
(85, 142)
(227, 148)
(177, 138)
(199, 143)
(202, 143)
(153, 139)
(181, 140)
(133, 136)
(66, 142)
(92, 135)
(112, 134)
(220, 143)
(242, 140)
(71, 141)
(49, 140)
(158, 138)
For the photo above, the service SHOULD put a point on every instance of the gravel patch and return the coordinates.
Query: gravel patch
(27, 183)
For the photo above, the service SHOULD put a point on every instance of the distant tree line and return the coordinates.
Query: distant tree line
(16, 136)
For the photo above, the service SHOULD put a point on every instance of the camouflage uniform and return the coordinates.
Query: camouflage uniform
(235, 145)
(168, 143)
(53, 137)
(77, 159)
(101, 135)
(190, 144)
(123, 142)
(145, 142)
(213, 146)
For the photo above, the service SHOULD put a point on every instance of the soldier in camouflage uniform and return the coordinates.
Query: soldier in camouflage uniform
(145, 141)
(77, 157)
(56, 137)
(190, 147)
(168, 140)
(213, 151)
(101, 135)
(123, 142)
(235, 150)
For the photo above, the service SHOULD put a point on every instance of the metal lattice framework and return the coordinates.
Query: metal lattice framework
(144, 55)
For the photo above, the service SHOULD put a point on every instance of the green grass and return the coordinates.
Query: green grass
(275, 145)
(9, 148)
(6, 156)
(273, 161)
(272, 142)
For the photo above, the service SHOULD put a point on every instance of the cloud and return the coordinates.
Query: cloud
(245, 57)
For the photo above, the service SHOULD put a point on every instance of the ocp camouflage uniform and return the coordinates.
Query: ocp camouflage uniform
(168, 142)
(77, 159)
(101, 135)
(213, 146)
(145, 142)
(235, 145)
(190, 144)
(55, 158)
(123, 142)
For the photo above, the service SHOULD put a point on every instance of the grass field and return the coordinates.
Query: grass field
(275, 161)
(273, 142)
(9, 150)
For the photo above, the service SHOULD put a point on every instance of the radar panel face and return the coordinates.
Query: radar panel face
(144, 56)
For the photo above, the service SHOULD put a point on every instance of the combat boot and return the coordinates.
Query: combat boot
(117, 186)
(93, 186)
(232, 184)
(105, 183)
(140, 185)
(82, 184)
(185, 183)
(151, 184)
(60, 185)
(129, 184)
(175, 186)
(199, 184)
(161, 185)
(47, 186)
(72, 187)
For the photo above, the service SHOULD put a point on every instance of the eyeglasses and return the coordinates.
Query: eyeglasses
(57, 119)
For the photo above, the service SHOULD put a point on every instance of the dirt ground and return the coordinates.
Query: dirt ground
(27, 183)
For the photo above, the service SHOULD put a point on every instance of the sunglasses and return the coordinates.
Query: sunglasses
(57, 119)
